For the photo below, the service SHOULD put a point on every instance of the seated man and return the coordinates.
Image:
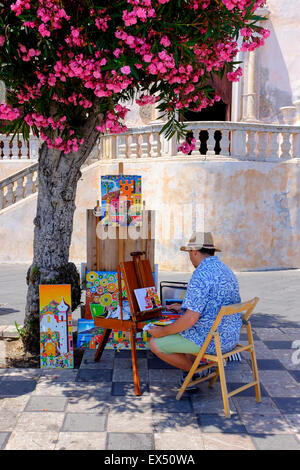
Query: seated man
(212, 285)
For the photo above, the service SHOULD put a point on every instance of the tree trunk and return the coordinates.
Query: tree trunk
(53, 225)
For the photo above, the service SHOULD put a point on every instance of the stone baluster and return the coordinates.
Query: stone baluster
(225, 142)
(262, 145)
(1, 147)
(29, 185)
(10, 198)
(145, 145)
(121, 146)
(273, 148)
(19, 189)
(296, 145)
(196, 134)
(35, 180)
(211, 142)
(155, 150)
(285, 146)
(238, 143)
(133, 146)
(251, 144)
(2, 198)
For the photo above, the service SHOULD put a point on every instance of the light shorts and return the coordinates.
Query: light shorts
(176, 344)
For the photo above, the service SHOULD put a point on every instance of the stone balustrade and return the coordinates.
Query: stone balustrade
(214, 141)
(18, 149)
(18, 186)
(242, 141)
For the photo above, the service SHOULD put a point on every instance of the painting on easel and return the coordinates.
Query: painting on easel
(101, 293)
(121, 198)
(56, 338)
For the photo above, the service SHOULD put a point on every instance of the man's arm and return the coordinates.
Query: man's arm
(183, 323)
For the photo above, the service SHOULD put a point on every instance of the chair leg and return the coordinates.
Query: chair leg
(222, 376)
(213, 379)
(254, 364)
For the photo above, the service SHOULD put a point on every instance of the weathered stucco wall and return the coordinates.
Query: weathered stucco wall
(252, 208)
(8, 168)
(279, 64)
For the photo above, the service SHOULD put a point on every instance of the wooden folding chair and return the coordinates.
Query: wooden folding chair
(219, 358)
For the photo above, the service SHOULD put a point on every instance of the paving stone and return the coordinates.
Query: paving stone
(287, 405)
(265, 423)
(296, 375)
(222, 441)
(171, 404)
(14, 386)
(278, 344)
(126, 375)
(129, 422)
(18, 440)
(81, 422)
(170, 376)
(35, 421)
(106, 361)
(81, 441)
(40, 403)
(269, 364)
(269, 333)
(178, 441)
(8, 419)
(86, 403)
(164, 421)
(217, 423)
(130, 441)
(287, 358)
(157, 363)
(294, 421)
(3, 439)
(91, 375)
(275, 442)
(126, 388)
(57, 375)
(250, 405)
(280, 384)
(126, 363)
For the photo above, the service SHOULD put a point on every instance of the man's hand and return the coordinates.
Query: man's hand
(157, 331)
(175, 306)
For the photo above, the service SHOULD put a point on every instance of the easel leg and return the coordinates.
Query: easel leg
(102, 344)
(136, 378)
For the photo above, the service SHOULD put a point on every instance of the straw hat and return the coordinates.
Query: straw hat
(200, 240)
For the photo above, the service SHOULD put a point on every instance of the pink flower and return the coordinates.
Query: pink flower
(126, 70)
(2, 41)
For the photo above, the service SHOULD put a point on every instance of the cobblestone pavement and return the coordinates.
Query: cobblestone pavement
(94, 407)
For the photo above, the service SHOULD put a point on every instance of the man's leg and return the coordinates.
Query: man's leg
(179, 360)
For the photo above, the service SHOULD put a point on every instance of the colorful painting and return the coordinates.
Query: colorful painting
(90, 336)
(121, 197)
(101, 289)
(147, 298)
(56, 337)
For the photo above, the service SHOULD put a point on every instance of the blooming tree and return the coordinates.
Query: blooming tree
(71, 66)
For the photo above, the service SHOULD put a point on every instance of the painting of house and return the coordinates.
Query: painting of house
(121, 200)
(56, 338)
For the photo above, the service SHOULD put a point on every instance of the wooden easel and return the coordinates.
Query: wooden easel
(136, 274)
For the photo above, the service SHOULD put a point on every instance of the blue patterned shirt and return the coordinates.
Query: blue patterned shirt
(212, 285)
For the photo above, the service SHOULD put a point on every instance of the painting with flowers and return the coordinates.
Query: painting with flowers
(102, 289)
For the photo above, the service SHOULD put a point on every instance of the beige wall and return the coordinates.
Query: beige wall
(8, 168)
(252, 208)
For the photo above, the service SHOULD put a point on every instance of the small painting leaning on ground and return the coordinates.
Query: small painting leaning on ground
(56, 338)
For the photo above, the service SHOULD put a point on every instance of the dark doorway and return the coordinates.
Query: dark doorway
(217, 112)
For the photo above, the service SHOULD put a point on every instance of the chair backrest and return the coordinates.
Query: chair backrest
(226, 310)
